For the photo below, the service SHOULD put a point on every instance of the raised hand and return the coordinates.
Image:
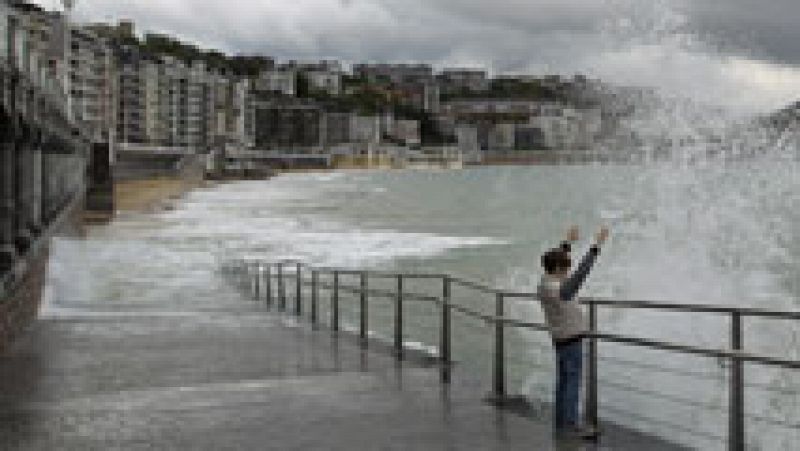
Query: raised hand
(601, 236)
(573, 234)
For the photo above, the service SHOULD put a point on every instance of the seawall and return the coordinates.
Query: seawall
(21, 288)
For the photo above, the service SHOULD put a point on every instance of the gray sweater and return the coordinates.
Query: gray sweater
(562, 312)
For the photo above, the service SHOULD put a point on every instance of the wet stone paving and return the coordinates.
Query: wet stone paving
(240, 377)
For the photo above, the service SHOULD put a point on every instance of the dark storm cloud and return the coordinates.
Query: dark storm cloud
(767, 27)
(715, 48)
(497, 30)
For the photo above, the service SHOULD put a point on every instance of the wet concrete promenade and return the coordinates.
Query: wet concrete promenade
(237, 377)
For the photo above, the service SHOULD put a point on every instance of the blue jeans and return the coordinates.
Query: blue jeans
(569, 359)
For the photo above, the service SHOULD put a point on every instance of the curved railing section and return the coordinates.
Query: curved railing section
(273, 281)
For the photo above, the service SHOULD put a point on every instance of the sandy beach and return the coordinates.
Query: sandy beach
(149, 194)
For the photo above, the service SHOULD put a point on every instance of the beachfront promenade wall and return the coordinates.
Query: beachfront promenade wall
(43, 159)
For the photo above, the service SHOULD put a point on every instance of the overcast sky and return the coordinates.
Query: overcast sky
(742, 53)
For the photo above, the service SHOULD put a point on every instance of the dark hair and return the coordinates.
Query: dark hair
(556, 259)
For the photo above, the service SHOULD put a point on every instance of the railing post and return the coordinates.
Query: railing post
(251, 281)
(269, 285)
(314, 295)
(281, 289)
(398, 319)
(736, 432)
(591, 373)
(335, 303)
(499, 376)
(445, 338)
(257, 290)
(363, 323)
(298, 298)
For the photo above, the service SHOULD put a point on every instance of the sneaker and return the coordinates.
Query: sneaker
(586, 433)
(589, 433)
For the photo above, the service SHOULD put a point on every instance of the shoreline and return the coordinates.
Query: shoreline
(160, 192)
(152, 193)
(146, 195)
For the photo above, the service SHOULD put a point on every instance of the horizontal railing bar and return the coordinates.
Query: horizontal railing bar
(349, 289)
(688, 308)
(421, 297)
(343, 271)
(356, 290)
(695, 308)
(475, 286)
(414, 275)
(378, 292)
(472, 313)
(664, 369)
(655, 344)
(741, 356)
(524, 324)
(518, 295)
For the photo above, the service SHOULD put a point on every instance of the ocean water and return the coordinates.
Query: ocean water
(708, 234)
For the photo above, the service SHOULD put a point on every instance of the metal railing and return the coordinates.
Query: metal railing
(261, 273)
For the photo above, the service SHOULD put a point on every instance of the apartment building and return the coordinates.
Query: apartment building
(155, 125)
(327, 81)
(288, 124)
(219, 107)
(197, 93)
(468, 110)
(337, 128)
(501, 137)
(92, 82)
(6, 16)
(131, 105)
(567, 128)
(283, 81)
(395, 73)
(468, 144)
(33, 42)
(243, 114)
(176, 107)
(365, 129)
(406, 131)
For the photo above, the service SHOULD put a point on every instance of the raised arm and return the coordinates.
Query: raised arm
(570, 287)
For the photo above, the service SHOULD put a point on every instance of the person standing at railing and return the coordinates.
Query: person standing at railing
(557, 291)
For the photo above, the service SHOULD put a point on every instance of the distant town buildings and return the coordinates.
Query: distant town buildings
(288, 124)
(395, 73)
(93, 80)
(454, 81)
(283, 81)
(327, 81)
(158, 92)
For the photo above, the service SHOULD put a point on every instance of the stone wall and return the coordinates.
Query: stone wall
(21, 288)
(43, 156)
(20, 307)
